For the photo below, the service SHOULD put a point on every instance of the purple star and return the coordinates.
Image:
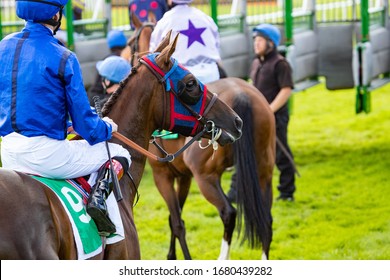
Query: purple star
(193, 34)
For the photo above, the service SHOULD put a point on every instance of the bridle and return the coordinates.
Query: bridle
(166, 82)
(134, 42)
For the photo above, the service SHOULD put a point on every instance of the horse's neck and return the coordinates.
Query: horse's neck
(137, 124)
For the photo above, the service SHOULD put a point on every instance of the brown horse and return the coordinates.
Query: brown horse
(253, 155)
(33, 223)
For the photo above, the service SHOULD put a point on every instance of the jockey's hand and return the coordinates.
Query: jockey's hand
(114, 126)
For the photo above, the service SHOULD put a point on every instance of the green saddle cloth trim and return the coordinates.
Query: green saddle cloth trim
(73, 201)
(166, 134)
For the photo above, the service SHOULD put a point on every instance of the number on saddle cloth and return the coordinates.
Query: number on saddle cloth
(72, 196)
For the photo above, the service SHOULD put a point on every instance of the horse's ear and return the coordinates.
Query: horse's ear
(152, 17)
(173, 44)
(169, 50)
(135, 20)
(164, 42)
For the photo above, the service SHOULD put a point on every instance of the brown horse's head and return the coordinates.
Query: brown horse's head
(162, 90)
(192, 107)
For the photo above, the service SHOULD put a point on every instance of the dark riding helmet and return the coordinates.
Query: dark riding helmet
(38, 10)
(269, 32)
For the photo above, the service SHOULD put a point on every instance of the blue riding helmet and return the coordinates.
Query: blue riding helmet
(268, 31)
(114, 68)
(116, 38)
(38, 10)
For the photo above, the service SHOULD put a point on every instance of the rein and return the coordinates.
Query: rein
(168, 157)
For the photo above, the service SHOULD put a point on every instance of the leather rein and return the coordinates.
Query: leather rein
(208, 125)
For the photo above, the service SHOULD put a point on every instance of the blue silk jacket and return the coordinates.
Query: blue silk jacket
(41, 86)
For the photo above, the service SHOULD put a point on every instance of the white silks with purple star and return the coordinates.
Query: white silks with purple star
(198, 45)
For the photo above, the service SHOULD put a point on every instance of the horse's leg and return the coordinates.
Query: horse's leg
(172, 243)
(165, 185)
(132, 241)
(210, 186)
(183, 187)
(164, 181)
(129, 248)
(164, 177)
(207, 168)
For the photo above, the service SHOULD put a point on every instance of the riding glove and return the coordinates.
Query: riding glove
(114, 126)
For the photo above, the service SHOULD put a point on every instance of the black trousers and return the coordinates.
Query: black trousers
(286, 185)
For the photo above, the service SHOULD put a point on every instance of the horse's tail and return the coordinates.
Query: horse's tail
(253, 205)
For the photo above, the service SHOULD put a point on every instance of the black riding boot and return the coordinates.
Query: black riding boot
(96, 206)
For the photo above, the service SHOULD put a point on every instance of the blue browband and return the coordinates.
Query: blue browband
(175, 74)
(181, 116)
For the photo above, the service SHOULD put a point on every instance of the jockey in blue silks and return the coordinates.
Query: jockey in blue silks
(41, 87)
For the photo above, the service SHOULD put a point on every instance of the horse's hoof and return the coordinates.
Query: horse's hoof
(285, 198)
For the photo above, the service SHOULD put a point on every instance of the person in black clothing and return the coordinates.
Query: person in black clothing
(116, 41)
(271, 74)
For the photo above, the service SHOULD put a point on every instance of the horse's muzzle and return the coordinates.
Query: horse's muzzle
(231, 136)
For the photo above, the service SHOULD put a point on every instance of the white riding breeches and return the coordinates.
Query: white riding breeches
(58, 159)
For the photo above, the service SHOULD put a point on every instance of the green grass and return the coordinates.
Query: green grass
(342, 209)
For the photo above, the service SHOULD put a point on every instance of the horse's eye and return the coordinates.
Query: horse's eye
(189, 92)
(191, 85)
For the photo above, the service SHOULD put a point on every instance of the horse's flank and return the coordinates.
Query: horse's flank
(26, 203)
